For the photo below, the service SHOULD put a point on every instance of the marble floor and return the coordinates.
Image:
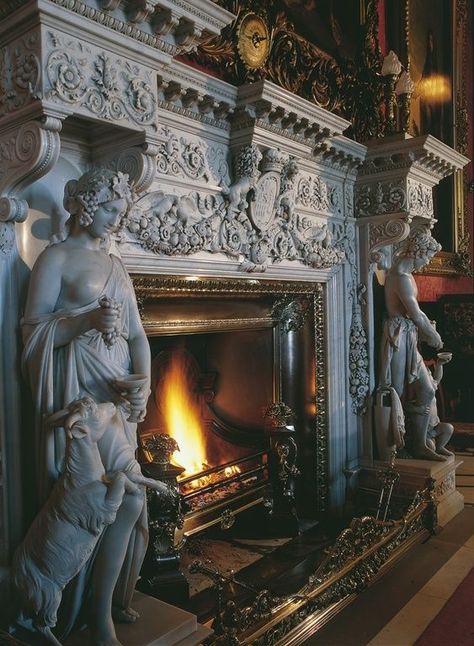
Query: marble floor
(396, 610)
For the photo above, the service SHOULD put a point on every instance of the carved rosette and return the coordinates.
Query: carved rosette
(95, 83)
(378, 198)
(194, 160)
(319, 195)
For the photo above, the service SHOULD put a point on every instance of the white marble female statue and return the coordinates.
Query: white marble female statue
(403, 372)
(82, 332)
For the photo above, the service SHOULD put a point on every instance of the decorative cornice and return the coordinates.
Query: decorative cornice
(285, 107)
(193, 101)
(434, 159)
(172, 27)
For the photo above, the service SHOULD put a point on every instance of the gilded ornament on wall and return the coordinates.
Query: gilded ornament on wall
(306, 51)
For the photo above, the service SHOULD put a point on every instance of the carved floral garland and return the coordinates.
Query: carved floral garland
(255, 218)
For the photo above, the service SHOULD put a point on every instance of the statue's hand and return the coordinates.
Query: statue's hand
(443, 357)
(107, 319)
(135, 389)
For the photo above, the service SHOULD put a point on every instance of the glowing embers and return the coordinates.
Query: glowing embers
(181, 414)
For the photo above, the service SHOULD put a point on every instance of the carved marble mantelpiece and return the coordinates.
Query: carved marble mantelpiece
(229, 182)
(167, 27)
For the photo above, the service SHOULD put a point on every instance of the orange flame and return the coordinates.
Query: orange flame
(182, 417)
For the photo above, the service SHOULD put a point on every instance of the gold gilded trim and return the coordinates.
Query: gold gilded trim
(347, 86)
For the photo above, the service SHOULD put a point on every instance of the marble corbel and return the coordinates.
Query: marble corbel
(27, 153)
(137, 160)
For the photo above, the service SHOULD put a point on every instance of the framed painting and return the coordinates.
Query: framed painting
(430, 38)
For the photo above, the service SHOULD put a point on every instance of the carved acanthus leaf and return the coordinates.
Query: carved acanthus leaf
(379, 198)
(193, 160)
(420, 199)
(20, 73)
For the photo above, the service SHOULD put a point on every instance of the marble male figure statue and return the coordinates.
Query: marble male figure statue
(84, 338)
(403, 372)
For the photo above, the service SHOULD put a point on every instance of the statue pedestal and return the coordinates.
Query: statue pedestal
(160, 624)
(415, 475)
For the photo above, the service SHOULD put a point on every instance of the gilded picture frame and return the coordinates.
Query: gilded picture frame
(410, 28)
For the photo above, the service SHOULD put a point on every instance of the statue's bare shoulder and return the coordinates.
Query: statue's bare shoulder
(45, 281)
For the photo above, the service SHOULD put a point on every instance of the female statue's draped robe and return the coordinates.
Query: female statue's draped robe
(84, 367)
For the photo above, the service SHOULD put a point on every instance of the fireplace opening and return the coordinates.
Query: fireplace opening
(224, 352)
(209, 393)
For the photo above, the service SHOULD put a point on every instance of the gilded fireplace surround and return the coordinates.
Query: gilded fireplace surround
(149, 290)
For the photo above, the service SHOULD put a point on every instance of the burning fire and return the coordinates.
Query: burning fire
(182, 416)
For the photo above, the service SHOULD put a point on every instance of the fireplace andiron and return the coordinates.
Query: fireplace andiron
(283, 470)
(161, 575)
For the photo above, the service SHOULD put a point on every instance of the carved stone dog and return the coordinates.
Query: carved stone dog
(65, 532)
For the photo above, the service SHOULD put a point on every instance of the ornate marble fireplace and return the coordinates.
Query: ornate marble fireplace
(243, 196)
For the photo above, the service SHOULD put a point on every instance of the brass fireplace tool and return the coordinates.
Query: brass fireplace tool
(389, 477)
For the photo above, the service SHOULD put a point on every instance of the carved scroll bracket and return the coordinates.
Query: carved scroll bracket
(25, 155)
(383, 232)
(139, 162)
